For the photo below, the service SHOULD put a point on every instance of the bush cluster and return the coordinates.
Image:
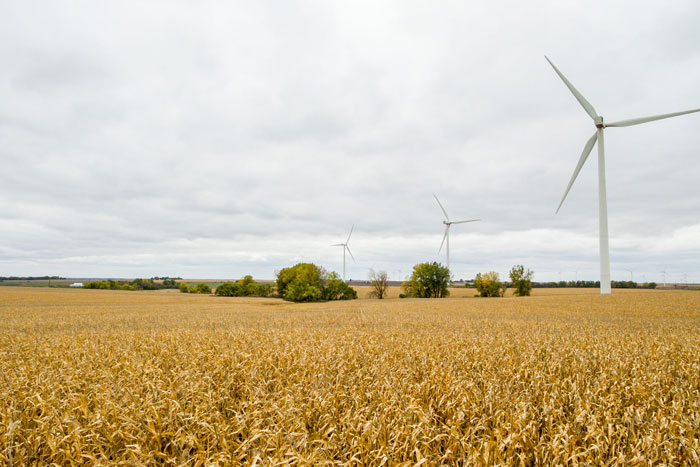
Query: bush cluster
(245, 287)
(306, 282)
(195, 288)
(596, 284)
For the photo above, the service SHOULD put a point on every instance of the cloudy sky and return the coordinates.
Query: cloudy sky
(217, 139)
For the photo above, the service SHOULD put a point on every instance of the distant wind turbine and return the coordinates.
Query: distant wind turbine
(664, 273)
(448, 223)
(631, 274)
(602, 197)
(346, 248)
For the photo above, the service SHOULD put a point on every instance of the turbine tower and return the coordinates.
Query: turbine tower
(602, 197)
(346, 248)
(448, 223)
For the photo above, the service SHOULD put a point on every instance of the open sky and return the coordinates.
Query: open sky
(217, 139)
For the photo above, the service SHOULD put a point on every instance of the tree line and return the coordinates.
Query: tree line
(136, 284)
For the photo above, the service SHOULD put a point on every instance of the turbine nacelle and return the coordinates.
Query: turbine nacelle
(598, 120)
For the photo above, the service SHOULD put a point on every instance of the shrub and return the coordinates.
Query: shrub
(200, 288)
(489, 285)
(229, 289)
(262, 289)
(428, 280)
(184, 288)
(522, 280)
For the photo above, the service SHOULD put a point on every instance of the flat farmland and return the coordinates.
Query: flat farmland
(162, 378)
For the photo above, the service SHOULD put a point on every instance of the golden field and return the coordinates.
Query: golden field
(160, 378)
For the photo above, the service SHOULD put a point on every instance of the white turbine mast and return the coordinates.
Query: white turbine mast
(346, 248)
(448, 223)
(602, 197)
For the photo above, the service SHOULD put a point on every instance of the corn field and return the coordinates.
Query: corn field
(160, 378)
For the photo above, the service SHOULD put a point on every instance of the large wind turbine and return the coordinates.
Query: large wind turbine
(346, 248)
(448, 223)
(602, 197)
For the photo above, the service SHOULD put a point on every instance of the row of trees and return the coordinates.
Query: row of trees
(306, 282)
(596, 284)
(136, 284)
(246, 287)
(29, 278)
(303, 282)
(431, 280)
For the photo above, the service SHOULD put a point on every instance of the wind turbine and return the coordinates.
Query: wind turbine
(346, 248)
(664, 273)
(602, 197)
(631, 274)
(448, 223)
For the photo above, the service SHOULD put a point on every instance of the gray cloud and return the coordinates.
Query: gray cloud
(211, 141)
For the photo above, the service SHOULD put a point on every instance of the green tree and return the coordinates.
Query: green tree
(428, 280)
(305, 278)
(489, 285)
(306, 282)
(247, 285)
(522, 280)
(335, 288)
(379, 282)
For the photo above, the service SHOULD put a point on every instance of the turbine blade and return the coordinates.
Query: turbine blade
(579, 97)
(443, 238)
(584, 155)
(348, 240)
(637, 121)
(443, 209)
(338, 244)
(463, 222)
(353, 258)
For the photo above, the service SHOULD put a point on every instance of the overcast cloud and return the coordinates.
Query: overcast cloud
(213, 140)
